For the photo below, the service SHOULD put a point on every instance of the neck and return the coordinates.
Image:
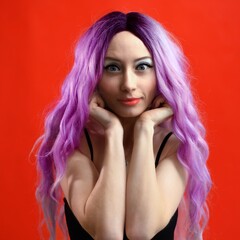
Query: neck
(128, 129)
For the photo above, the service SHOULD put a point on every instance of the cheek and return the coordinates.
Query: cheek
(103, 86)
(150, 87)
(106, 89)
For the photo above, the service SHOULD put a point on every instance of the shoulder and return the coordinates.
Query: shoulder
(171, 145)
(78, 163)
(75, 158)
(79, 171)
(169, 161)
(75, 163)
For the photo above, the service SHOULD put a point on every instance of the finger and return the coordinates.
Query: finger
(97, 100)
(100, 101)
(162, 114)
(158, 101)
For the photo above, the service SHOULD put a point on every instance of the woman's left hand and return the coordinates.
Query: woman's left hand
(159, 112)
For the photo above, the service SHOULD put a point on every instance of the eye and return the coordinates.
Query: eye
(112, 68)
(143, 66)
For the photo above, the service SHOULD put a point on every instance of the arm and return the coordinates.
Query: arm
(98, 200)
(152, 194)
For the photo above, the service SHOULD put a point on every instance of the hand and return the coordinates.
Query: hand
(98, 112)
(159, 112)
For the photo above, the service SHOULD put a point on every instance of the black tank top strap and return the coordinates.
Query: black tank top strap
(89, 143)
(161, 147)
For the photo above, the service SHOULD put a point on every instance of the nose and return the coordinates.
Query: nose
(129, 81)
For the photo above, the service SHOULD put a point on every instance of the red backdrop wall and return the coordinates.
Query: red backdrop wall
(36, 46)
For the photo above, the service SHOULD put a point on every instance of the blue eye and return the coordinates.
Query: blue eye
(143, 66)
(112, 68)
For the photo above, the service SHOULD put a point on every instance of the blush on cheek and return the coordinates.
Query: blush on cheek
(103, 94)
(107, 91)
(105, 87)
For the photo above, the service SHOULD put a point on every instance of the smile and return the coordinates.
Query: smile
(130, 101)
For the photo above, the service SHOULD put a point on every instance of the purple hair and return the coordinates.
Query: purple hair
(64, 125)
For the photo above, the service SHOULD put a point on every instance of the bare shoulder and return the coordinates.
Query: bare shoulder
(79, 168)
(171, 175)
(169, 161)
(171, 145)
(75, 161)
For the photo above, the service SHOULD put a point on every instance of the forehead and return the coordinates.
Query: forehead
(126, 45)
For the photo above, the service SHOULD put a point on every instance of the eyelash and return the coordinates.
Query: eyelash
(144, 64)
(118, 68)
(110, 66)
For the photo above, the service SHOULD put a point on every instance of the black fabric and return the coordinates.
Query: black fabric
(77, 232)
(89, 142)
(161, 148)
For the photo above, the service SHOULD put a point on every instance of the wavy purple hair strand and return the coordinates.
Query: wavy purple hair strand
(65, 123)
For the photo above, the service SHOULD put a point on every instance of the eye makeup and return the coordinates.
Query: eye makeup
(113, 64)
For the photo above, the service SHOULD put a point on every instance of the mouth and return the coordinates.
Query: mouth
(130, 101)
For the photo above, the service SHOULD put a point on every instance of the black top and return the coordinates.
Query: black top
(77, 232)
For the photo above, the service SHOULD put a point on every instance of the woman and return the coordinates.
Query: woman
(124, 144)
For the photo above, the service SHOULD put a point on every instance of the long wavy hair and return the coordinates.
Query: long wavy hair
(65, 123)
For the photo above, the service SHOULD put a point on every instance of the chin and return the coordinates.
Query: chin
(131, 113)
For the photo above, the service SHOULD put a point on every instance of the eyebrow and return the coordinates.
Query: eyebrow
(136, 60)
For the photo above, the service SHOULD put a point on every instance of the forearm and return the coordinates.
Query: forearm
(142, 189)
(105, 206)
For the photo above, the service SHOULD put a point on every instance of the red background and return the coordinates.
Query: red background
(37, 41)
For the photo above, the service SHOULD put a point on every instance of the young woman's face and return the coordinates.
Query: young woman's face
(128, 84)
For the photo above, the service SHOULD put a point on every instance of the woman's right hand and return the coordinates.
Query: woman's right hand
(98, 112)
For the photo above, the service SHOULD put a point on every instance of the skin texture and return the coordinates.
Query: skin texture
(106, 195)
(128, 73)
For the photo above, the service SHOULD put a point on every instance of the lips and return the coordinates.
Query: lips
(130, 101)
